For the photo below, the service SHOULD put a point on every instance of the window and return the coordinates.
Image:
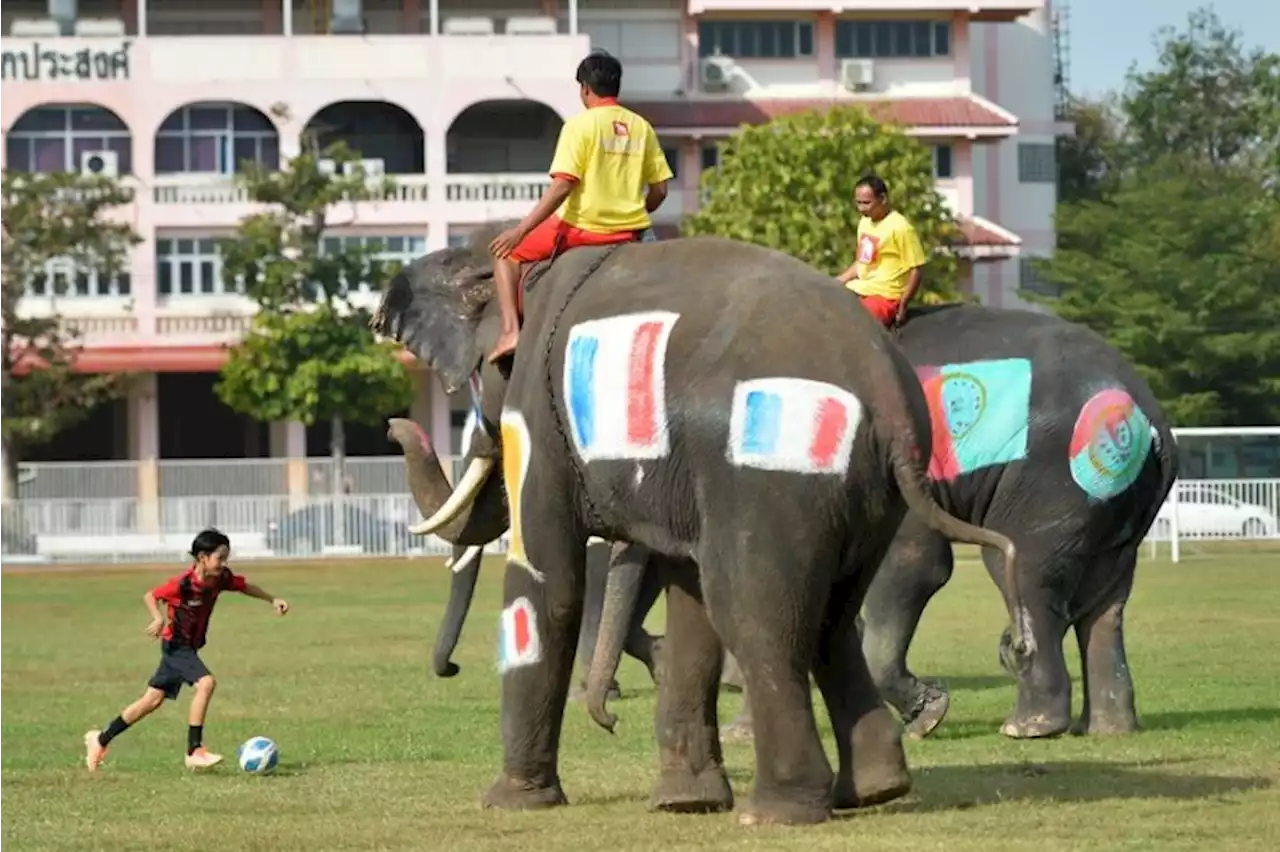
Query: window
(215, 138)
(63, 280)
(190, 266)
(672, 153)
(1037, 163)
(459, 239)
(1030, 281)
(402, 249)
(710, 155)
(892, 39)
(942, 167)
(52, 139)
(756, 39)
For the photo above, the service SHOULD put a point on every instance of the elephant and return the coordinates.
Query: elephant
(1046, 433)
(645, 404)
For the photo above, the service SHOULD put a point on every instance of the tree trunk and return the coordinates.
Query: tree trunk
(337, 450)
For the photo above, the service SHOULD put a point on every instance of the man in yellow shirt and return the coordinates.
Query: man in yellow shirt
(608, 174)
(889, 259)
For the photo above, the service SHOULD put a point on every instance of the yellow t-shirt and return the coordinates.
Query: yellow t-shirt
(887, 251)
(615, 156)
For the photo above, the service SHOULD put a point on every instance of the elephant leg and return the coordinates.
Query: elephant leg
(775, 646)
(640, 645)
(540, 623)
(592, 605)
(872, 764)
(918, 564)
(691, 776)
(1043, 705)
(1109, 706)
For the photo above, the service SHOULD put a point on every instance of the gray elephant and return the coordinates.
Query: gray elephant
(1042, 431)
(647, 404)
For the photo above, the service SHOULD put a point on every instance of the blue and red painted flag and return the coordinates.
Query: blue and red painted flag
(614, 386)
(519, 644)
(790, 424)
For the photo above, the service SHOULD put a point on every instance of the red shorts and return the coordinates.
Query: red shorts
(554, 234)
(884, 310)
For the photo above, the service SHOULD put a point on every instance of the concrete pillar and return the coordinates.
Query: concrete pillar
(825, 47)
(436, 158)
(144, 448)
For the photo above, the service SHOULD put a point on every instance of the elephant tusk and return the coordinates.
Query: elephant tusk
(461, 498)
(468, 556)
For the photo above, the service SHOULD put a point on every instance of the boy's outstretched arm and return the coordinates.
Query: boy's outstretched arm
(157, 620)
(280, 604)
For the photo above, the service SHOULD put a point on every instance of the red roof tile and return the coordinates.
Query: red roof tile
(910, 112)
(978, 233)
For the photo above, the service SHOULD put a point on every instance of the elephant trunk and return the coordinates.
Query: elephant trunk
(920, 500)
(626, 571)
(466, 570)
(454, 517)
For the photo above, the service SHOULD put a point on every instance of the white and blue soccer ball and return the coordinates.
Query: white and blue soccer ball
(258, 755)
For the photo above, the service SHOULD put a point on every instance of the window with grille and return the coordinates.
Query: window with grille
(1029, 281)
(756, 39)
(1037, 162)
(892, 39)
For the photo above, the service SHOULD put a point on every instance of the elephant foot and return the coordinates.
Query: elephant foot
(654, 661)
(685, 793)
(1099, 725)
(775, 812)
(514, 794)
(879, 764)
(579, 692)
(1034, 726)
(928, 712)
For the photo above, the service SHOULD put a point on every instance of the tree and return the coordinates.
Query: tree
(1180, 270)
(1209, 99)
(51, 219)
(1091, 162)
(309, 353)
(788, 185)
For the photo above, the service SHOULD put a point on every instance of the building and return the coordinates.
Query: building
(460, 101)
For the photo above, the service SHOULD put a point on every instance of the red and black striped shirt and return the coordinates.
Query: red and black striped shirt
(190, 600)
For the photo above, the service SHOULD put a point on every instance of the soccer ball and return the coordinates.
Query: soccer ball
(258, 755)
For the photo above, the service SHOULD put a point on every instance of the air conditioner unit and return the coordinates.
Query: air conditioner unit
(100, 163)
(857, 75)
(714, 72)
(468, 26)
(540, 25)
(372, 167)
(326, 166)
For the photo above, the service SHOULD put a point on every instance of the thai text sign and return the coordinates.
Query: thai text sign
(38, 61)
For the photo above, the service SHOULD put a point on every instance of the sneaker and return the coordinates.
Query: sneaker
(202, 759)
(94, 752)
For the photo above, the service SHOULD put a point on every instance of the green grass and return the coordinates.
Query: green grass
(379, 754)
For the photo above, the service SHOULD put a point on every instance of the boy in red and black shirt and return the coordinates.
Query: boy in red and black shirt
(189, 598)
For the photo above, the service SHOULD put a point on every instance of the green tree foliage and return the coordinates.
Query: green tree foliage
(788, 185)
(1180, 269)
(1209, 99)
(309, 354)
(48, 219)
(1091, 162)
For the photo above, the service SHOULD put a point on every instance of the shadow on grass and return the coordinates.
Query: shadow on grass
(944, 788)
(973, 683)
(1175, 721)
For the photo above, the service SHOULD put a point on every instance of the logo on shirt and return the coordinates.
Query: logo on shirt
(868, 248)
(620, 129)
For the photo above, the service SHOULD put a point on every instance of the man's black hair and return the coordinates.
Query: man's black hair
(873, 182)
(208, 541)
(601, 72)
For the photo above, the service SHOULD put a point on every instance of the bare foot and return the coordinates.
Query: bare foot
(506, 345)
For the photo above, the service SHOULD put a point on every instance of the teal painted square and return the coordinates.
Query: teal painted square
(987, 405)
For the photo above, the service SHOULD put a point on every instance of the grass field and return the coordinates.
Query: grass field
(379, 754)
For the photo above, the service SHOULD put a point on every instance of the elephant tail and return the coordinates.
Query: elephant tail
(627, 565)
(919, 499)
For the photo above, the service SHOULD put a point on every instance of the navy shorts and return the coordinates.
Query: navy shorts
(178, 665)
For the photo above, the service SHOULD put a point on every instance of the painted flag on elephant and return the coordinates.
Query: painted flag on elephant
(614, 388)
(796, 425)
(979, 411)
(1109, 444)
(519, 644)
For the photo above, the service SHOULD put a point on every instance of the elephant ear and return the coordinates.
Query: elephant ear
(434, 306)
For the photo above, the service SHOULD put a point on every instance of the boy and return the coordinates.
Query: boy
(608, 174)
(190, 597)
(889, 259)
